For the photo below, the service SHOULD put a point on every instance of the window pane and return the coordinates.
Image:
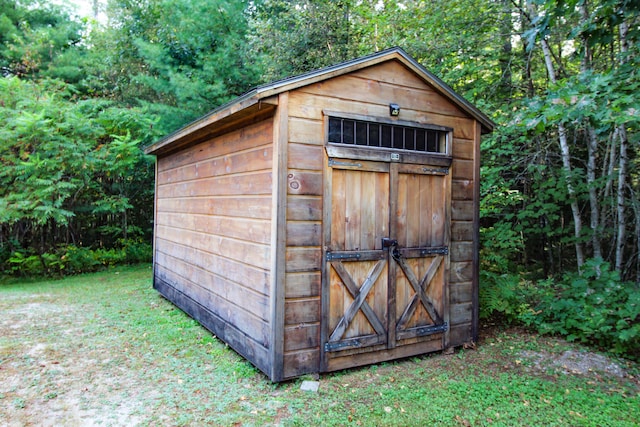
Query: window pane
(335, 130)
(398, 137)
(361, 133)
(347, 131)
(443, 142)
(420, 137)
(386, 136)
(409, 139)
(374, 135)
(432, 141)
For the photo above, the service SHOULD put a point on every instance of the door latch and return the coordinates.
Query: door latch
(388, 243)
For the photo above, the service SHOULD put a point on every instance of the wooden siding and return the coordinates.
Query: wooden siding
(213, 236)
(241, 219)
(367, 92)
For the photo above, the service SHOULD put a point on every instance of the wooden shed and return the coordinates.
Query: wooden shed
(327, 220)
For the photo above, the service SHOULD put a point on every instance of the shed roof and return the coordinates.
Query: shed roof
(259, 100)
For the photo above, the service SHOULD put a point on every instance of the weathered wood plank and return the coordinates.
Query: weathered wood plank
(393, 73)
(376, 155)
(306, 130)
(475, 323)
(304, 208)
(462, 210)
(246, 322)
(461, 293)
(239, 228)
(303, 285)
(303, 259)
(375, 90)
(337, 212)
(302, 336)
(462, 231)
(381, 354)
(302, 311)
(242, 274)
(301, 362)
(463, 149)
(353, 210)
(461, 272)
(245, 184)
(239, 140)
(249, 253)
(236, 293)
(279, 234)
(462, 169)
(460, 334)
(304, 183)
(462, 189)
(461, 251)
(304, 233)
(460, 313)
(304, 156)
(246, 161)
(367, 190)
(258, 207)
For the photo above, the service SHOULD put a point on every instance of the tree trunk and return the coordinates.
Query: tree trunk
(592, 143)
(566, 158)
(622, 166)
(593, 192)
(622, 180)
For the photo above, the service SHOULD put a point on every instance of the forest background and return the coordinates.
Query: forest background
(560, 205)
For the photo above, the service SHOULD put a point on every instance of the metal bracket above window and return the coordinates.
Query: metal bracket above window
(333, 162)
(442, 171)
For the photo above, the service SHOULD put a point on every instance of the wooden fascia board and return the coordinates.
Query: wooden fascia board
(321, 75)
(250, 104)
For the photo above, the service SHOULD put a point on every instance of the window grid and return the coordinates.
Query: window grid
(381, 135)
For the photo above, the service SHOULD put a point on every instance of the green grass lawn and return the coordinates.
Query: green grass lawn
(106, 349)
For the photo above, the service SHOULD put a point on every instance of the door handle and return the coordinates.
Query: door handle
(388, 243)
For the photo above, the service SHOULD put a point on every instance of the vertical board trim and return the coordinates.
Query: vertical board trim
(278, 235)
(475, 308)
(155, 221)
(326, 241)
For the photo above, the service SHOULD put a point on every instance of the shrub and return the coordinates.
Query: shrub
(79, 259)
(593, 307)
(502, 295)
(71, 259)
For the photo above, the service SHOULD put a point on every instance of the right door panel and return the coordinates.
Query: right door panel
(420, 259)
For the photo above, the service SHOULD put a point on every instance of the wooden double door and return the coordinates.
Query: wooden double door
(385, 260)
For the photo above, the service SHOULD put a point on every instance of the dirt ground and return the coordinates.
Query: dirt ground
(59, 379)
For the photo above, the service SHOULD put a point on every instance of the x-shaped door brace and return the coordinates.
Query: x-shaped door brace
(359, 299)
(420, 288)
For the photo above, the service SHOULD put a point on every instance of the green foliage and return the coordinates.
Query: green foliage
(67, 260)
(502, 296)
(592, 307)
(33, 35)
(69, 168)
(293, 37)
(182, 65)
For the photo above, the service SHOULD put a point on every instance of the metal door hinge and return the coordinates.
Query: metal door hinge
(330, 256)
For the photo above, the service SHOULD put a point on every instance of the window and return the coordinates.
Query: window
(383, 135)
